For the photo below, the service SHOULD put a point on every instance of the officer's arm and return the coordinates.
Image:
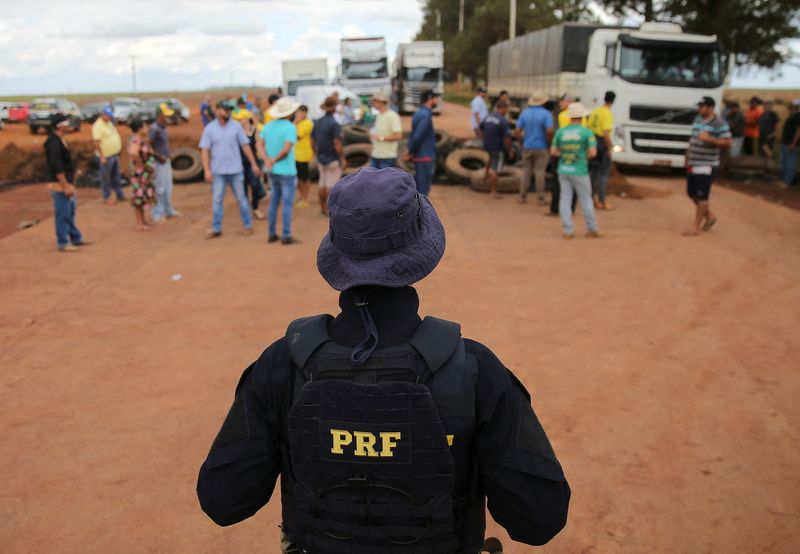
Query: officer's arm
(239, 474)
(526, 489)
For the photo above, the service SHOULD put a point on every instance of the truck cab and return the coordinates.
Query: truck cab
(365, 67)
(418, 66)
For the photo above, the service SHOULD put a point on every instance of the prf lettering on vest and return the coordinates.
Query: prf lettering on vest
(365, 443)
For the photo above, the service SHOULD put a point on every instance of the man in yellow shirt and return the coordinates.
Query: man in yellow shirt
(563, 115)
(107, 146)
(386, 134)
(303, 152)
(601, 123)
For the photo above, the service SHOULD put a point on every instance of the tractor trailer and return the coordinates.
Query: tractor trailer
(418, 66)
(299, 73)
(658, 72)
(364, 68)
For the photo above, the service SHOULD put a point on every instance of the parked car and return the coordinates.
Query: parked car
(90, 112)
(4, 113)
(43, 109)
(147, 110)
(123, 108)
(18, 112)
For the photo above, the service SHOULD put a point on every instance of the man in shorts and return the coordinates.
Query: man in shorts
(326, 139)
(497, 142)
(710, 134)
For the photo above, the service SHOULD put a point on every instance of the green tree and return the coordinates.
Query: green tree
(755, 31)
(486, 23)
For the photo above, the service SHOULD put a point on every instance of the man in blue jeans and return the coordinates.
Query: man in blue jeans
(223, 140)
(159, 139)
(277, 140)
(422, 142)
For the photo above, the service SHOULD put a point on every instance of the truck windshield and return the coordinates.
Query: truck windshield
(674, 67)
(365, 70)
(420, 74)
(292, 86)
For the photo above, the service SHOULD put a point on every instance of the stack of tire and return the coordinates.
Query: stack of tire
(467, 165)
(186, 165)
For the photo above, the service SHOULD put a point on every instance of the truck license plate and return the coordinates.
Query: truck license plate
(663, 163)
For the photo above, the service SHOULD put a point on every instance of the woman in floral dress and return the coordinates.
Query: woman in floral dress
(142, 168)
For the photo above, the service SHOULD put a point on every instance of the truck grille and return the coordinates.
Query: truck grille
(659, 114)
(659, 143)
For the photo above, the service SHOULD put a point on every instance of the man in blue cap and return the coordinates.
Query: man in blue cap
(389, 431)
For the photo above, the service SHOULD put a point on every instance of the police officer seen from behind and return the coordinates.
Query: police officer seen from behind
(389, 431)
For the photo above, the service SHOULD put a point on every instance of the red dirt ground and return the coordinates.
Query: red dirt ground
(664, 368)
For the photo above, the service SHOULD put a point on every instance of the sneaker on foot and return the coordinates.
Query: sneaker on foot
(82, 242)
(212, 234)
(289, 240)
(272, 238)
(594, 234)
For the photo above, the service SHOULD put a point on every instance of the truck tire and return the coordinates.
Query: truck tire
(507, 181)
(186, 165)
(462, 163)
(357, 156)
(355, 134)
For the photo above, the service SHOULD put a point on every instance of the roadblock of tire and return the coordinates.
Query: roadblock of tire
(355, 134)
(357, 156)
(186, 164)
(462, 163)
(507, 181)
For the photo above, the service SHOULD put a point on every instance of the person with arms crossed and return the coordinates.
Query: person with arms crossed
(107, 146)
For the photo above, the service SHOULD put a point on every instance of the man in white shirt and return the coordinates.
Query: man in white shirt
(478, 110)
(386, 134)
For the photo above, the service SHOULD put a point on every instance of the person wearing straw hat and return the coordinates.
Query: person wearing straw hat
(338, 406)
(278, 138)
(162, 178)
(575, 145)
(535, 126)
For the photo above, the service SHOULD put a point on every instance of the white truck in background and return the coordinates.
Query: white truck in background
(306, 72)
(365, 67)
(418, 66)
(658, 72)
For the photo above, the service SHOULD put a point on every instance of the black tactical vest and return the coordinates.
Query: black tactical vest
(379, 456)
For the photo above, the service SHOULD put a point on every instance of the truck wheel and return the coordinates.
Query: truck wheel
(462, 163)
(357, 156)
(508, 180)
(186, 164)
(355, 134)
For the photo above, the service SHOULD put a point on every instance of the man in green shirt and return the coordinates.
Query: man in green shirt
(575, 145)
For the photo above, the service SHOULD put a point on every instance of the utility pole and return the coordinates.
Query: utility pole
(512, 21)
(133, 73)
(438, 24)
(460, 16)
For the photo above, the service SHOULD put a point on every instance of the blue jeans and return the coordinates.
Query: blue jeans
(424, 175)
(788, 164)
(110, 178)
(582, 186)
(600, 171)
(64, 207)
(383, 163)
(283, 187)
(236, 182)
(162, 181)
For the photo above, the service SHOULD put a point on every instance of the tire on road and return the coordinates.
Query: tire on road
(462, 163)
(508, 180)
(357, 156)
(355, 134)
(186, 164)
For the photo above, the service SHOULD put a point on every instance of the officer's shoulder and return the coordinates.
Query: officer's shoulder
(273, 365)
(487, 360)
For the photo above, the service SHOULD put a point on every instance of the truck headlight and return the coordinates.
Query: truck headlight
(617, 148)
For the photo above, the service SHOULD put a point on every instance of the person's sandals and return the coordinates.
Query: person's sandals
(258, 214)
(709, 224)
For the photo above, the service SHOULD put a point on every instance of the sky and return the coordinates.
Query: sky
(56, 46)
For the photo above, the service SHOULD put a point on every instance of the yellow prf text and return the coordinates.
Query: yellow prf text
(365, 442)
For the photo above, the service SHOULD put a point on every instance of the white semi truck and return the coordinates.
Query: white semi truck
(365, 67)
(418, 66)
(306, 72)
(657, 71)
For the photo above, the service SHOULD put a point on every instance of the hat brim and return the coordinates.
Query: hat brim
(280, 114)
(400, 267)
(537, 101)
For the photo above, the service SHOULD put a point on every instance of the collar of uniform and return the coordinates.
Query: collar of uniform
(394, 311)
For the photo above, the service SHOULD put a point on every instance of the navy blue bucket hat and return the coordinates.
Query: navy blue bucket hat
(382, 232)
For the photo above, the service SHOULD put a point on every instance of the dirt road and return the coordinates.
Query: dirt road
(664, 368)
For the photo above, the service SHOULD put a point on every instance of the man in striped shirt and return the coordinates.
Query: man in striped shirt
(710, 134)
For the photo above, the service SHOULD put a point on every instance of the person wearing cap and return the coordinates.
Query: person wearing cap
(575, 145)
(221, 147)
(535, 127)
(767, 131)
(303, 153)
(62, 191)
(497, 142)
(162, 179)
(386, 134)
(710, 134)
(478, 110)
(338, 405)
(422, 141)
(601, 123)
(277, 144)
(326, 139)
(107, 146)
(751, 131)
(790, 138)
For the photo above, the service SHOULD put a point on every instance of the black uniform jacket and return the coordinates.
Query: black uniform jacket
(519, 474)
(59, 159)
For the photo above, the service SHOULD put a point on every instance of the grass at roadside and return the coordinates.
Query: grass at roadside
(458, 94)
